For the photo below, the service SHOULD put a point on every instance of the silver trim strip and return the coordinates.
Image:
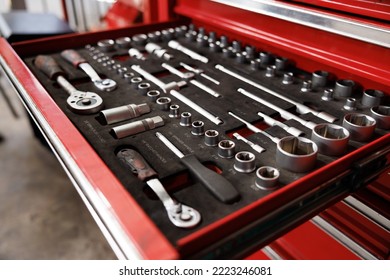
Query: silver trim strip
(368, 212)
(96, 203)
(343, 239)
(331, 23)
(271, 253)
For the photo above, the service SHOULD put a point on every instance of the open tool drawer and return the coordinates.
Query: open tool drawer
(265, 64)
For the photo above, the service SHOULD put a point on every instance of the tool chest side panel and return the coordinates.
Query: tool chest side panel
(107, 189)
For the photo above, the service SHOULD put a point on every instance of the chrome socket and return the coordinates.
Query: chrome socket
(382, 116)
(163, 103)
(319, 78)
(226, 149)
(174, 111)
(211, 137)
(344, 88)
(350, 104)
(306, 86)
(197, 128)
(153, 94)
(244, 162)
(185, 119)
(123, 113)
(331, 139)
(143, 88)
(372, 97)
(137, 127)
(288, 78)
(123, 42)
(106, 45)
(360, 126)
(267, 177)
(270, 71)
(296, 154)
(281, 63)
(140, 39)
(135, 81)
(327, 95)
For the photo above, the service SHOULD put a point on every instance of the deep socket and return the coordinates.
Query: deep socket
(153, 94)
(123, 113)
(174, 111)
(372, 97)
(226, 149)
(267, 177)
(382, 116)
(163, 103)
(288, 78)
(185, 119)
(331, 139)
(197, 128)
(211, 137)
(360, 126)
(319, 78)
(137, 127)
(344, 88)
(244, 162)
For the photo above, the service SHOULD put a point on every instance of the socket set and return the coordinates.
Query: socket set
(197, 125)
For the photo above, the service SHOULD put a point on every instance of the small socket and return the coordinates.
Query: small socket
(226, 149)
(174, 111)
(135, 81)
(306, 86)
(372, 97)
(197, 128)
(185, 119)
(327, 95)
(163, 103)
(331, 139)
(153, 95)
(288, 78)
(382, 116)
(267, 177)
(360, 126)
(106, 45)
(266, 58)
(270, 71)
(143, 88)
(350, 104)
(123, 42)
(255, 64)
(344, 88)
(244, 162)
(211, 137)
(281, 63)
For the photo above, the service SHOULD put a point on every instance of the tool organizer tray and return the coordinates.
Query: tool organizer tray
(174, 176)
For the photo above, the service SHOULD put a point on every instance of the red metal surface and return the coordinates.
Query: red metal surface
(309, 242)
(311, 49)
(360, 229)
(370, 8)
(137, 225)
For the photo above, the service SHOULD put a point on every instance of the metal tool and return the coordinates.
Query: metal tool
(267, 177)
(179, 214)
(296, 154)
(360, 126)
(199, 72)
(194, 55)
(197, 128)
(188, 76)
(302, 109)
(331, 139)
(79, 102)
(158, 51)
(137, 127)
(244, 162)
(211, 137)
(135, 53)
(171, 89)
(218, 185)
(372, 97)
(382, 116)
(284, 113)
(125, 112)
(254, 146)
(226, 148)
(272, 122)
(78, 61)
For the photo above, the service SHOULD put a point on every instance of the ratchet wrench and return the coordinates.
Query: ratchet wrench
(179, 214)
(79, 102)
(78, 61)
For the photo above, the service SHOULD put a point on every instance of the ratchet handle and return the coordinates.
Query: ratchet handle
(49, 66)
(137, 164)
(218, 185)
(73, 57)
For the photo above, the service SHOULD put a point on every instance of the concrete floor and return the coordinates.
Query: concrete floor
(41, 214)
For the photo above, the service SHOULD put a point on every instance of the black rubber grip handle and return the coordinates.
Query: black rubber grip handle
(218, 185)
(73, 57)
(49, 66)
(137, 164)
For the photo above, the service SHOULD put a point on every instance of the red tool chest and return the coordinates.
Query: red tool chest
(306, 39)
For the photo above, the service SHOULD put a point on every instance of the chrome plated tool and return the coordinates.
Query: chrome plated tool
(194, 55)
(199, 72)
(78, 61)
(136, 127)
(158, 51)
(79, 102)
(125, 112)
(179, 214)
(254, 146)
(301, 109)
(218, 185)
(272, 122)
